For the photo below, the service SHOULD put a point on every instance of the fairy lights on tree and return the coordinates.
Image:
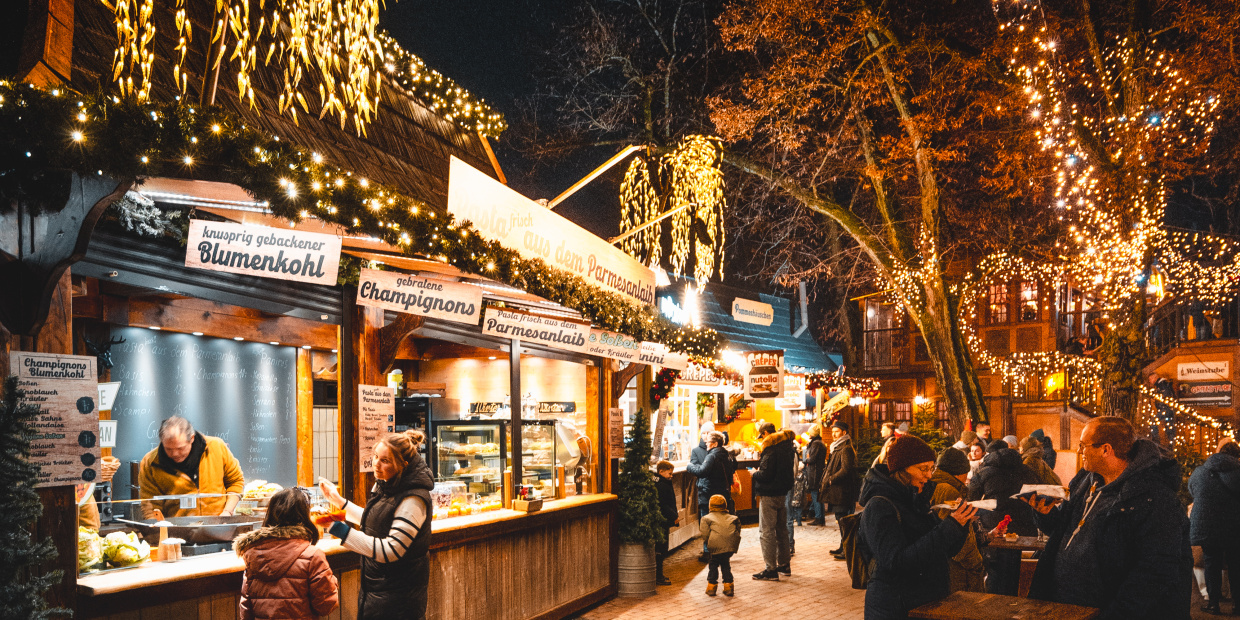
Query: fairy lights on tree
(686, 188)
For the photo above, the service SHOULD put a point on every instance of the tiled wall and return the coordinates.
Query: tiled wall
(327, 443)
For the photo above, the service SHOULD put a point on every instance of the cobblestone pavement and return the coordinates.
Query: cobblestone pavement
(818, 588)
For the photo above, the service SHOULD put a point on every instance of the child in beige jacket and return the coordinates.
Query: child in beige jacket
(721, 532)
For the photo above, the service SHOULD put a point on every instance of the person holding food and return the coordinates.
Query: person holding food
(286, 576)
(910, 545)
(395, 535)
(187, 462)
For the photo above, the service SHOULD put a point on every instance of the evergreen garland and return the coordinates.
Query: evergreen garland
(663, 384)
(640, 520)
(22, 594)
(43, 133)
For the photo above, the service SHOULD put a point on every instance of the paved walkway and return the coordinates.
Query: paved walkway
(817, 580)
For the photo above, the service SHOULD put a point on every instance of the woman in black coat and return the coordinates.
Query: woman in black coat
(1215, 487)
(910, 544)
(815, 459)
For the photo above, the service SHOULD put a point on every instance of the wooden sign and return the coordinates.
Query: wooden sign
(756, 312)
(486, 408)
(107, 394)
(65, 389)
(656, 439)
(615, 431)
(264, 252)
(657, 354)
(438, 299)
(553, 331)
(697, 374)
(536, 232)
(557, 407)
(376, 418)
(765, 377)
(613, 345)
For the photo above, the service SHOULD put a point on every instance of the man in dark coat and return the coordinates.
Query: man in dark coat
(696, 456)
(1215, 487)
(840, 483)
(1001, 476)
(714, 475)
(1121, 542)
(664, 471)
(771, 483)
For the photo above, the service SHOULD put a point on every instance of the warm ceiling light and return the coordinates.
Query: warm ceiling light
(155, 327)
(273, 342)
(491, 357)
(197, 333)
(305, 346)
(238, 338)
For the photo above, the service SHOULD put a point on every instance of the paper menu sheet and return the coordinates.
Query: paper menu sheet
(1045, 490)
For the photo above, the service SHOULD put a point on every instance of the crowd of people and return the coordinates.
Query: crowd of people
(1122, 540)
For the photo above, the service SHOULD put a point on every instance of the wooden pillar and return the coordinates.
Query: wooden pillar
(598, 399)
(305, 419)
(47, 45)
(514, 398)
(359, 361)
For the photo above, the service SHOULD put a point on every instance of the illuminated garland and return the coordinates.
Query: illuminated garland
(721, 369)
(860, 387)
(664, 383)
(736, 404)
(41, 130)
(444, 96)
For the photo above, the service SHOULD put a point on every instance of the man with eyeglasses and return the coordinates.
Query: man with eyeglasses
(1121, 542)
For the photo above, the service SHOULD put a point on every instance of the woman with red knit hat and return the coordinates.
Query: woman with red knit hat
(911, 545)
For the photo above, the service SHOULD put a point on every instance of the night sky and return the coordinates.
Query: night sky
(491, 48)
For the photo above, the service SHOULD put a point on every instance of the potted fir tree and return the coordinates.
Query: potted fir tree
(641, 525)
(24, 585)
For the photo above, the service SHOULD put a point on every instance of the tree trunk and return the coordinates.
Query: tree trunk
(949, 354)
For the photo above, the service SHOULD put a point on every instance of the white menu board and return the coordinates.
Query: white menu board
(376, 409)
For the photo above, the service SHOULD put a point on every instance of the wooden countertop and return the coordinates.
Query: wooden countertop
(977, 606)
(224, 563)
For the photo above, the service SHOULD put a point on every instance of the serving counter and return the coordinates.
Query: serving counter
(481, 567)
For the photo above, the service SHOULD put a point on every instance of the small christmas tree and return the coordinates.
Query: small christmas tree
(640, 520)
(22, 594)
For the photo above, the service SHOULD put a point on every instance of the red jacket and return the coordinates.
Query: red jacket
(286, 578)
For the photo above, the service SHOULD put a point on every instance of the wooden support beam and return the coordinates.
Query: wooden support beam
(391, 336)
(190, 315)
(359, 359)
(46, 57)
(305, 419)
(620, 378)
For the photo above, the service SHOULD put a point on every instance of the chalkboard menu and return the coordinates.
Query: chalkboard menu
(242, 392)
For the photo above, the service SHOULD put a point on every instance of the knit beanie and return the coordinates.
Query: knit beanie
(1011, 441)
(842, 425)
(1038, 434)
(815, 431)
(968, 437)
(953, 462)
(1029, 442)
(906, 451)
(718, 503)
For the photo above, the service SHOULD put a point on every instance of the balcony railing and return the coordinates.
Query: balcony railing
(1173, 324)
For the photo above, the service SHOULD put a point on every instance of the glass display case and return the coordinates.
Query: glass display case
(469, 461)
(539, 455)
